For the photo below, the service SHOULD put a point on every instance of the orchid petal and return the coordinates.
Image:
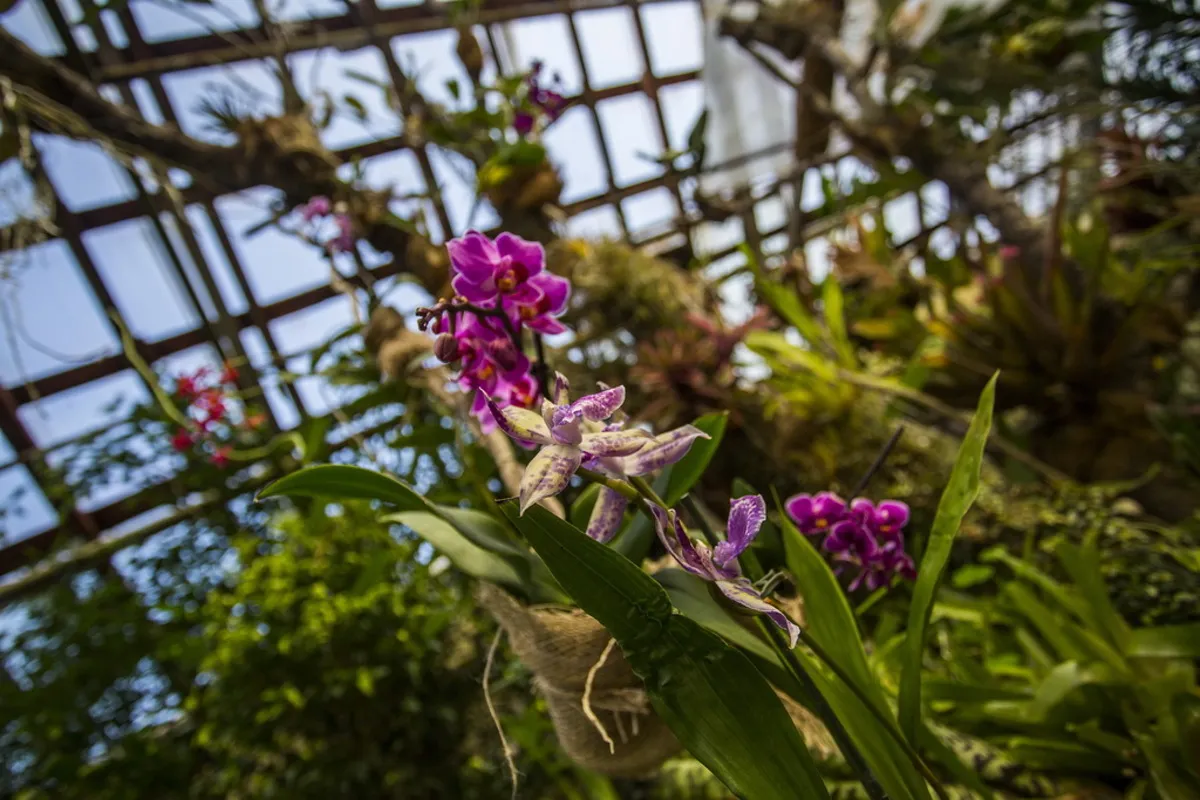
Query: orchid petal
(547, 325)
(548, 473)
(891, 516)
(474, 256)
(666, 449)
(607, 514)
(614, 443)
(677, 542)
(562, 389)
(600, 406)
(521, 423)
(555, 289)
(746, 517)
(529, 255)
(744, 594)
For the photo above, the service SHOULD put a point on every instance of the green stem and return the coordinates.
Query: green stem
(821, 707)
(884, 720)
(619, 486)
(647, 491)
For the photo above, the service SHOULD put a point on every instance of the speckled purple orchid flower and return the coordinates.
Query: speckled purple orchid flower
(659, 452)
(719, 565)
(569, 433)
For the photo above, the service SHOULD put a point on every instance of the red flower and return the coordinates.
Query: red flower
(229, 375)
(212, 403)
(220, 459)
(188, 386)
(182, 440)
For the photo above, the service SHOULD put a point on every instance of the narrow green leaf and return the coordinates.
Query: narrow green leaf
(1171, 641)
(831, 622)
(833, 304)
(508, 571)
(1083, 565)
(1063, 681)
(687, 470)
(709, 694)
(787, 305)
(345, 482)
(957, 498)
(356, 106)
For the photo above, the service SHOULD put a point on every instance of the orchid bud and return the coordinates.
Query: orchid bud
(445, 347)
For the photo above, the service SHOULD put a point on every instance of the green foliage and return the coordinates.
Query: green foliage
(710, 695)
(1050, 671)
(334, 615)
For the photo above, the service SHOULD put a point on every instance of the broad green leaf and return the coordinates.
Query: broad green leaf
(957, 498)
(709, 694)
(483, 529)
(690, 595)
(833, 305)
(1171, 641)
(508, 571)
(687, 470)
(694, 599)
(345, 482)
(831, 622)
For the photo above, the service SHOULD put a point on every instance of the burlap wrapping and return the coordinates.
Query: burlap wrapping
(560, 646)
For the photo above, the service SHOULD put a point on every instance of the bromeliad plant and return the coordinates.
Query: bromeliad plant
(713, 662)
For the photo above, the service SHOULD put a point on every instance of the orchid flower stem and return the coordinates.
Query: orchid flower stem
(644, 488)
(824, 711)
(619, 486)
(543, 368)
(888, 724)
(877, 463)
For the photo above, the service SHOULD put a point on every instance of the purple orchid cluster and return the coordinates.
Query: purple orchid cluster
(862, 534)
(545, 101)
(316, 210)
(506, 284)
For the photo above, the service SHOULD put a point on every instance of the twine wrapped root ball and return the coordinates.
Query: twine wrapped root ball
(562, 647)
(572, 658)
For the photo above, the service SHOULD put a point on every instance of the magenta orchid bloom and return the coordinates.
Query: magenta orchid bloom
(866, 535)
(719, 565)
(509, 271)
(816, 514)
(569, 433)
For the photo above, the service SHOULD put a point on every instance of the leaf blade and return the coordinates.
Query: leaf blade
(958, 496)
